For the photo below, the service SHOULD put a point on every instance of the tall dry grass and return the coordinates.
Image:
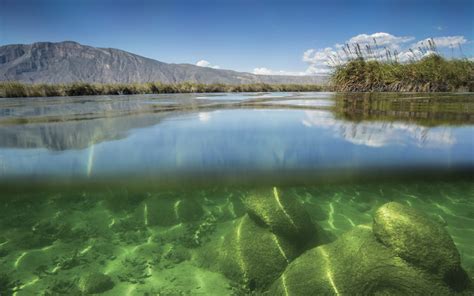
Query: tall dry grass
(372, 69)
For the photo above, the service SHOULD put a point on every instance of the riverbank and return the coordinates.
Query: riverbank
(17, 89)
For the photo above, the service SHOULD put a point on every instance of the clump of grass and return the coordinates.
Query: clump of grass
(375, 69)
(430, 74)
(16, 89)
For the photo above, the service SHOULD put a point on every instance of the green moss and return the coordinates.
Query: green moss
(254, 256)
(284, 215)
(355, 264)
(421, 241)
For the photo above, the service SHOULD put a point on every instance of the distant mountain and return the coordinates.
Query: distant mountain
(63, 62)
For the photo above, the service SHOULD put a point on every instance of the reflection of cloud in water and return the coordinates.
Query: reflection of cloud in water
(204, 116)
(379, 134)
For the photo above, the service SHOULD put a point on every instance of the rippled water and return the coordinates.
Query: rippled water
(184, 194)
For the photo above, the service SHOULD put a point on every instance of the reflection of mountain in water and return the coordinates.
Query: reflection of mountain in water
(73, 134)
(63, 123)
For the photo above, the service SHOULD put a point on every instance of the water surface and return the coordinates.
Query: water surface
(83, 177)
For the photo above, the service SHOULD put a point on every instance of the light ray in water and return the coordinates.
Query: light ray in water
(17, 262)
(176, 209)
(280, 249)
(90, 160)
(277, 198)
(47, 247)
(283, 283)
(85, 250)
(331, 216)
(26, 285)
(145, 214)
(329, 274)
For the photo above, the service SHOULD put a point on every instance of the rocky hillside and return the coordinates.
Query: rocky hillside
(63, 62)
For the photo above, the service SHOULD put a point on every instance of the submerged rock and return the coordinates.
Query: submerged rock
(164, 211)
(421, 241)
(254, 256)
(95, 283)
(282, 214)
(355, 264)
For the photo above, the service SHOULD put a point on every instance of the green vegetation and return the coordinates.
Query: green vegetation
(17, 89)
(432, 73)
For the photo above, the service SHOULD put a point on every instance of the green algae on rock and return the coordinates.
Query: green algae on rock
(355, 264)
(282, 214)
(254, 256)
(421, 241)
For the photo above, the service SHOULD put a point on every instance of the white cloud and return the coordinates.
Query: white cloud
(262, 71)
(447, 41)
(204, 63)
(266, 71)
(381, 39)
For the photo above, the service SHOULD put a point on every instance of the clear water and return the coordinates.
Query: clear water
(149, 190)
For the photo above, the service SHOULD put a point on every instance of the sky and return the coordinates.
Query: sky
(259, 36)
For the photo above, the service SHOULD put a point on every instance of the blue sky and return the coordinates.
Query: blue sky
(271, 36)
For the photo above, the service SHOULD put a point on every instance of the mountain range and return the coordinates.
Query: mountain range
(68, 61)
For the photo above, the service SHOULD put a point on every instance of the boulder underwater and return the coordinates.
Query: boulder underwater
(355, 264)
(275, 230)
(253, 255)
(285, 216)
(403, 253)
(421, 241)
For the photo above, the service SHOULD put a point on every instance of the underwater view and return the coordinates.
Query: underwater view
(313, 193)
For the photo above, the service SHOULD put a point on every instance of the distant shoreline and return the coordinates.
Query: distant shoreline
(17, 89)
(12, 89)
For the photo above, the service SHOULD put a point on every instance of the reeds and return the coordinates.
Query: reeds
(16, 89)
(380, 69)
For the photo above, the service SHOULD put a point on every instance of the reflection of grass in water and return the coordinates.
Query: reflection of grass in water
(425, 110)
(140, 258)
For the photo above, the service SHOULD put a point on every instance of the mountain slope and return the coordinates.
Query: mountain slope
(64, 62)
